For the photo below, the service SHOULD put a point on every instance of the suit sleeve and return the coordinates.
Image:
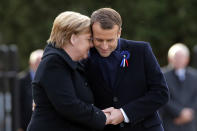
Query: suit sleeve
(59, 87)
(193, 79)
(156, 94)
(172, 108)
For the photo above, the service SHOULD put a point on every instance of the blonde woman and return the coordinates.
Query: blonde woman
(63, 99)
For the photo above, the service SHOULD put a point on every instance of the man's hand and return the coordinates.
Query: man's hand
(116, 116)
(185, 116)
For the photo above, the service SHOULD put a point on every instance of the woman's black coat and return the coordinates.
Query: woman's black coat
(64, 102)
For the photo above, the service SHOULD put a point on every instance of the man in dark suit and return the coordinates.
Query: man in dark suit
(125, 75)
(178, 114)
(25, 79)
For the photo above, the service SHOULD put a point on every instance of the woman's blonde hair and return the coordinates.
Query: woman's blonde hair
(66, 24)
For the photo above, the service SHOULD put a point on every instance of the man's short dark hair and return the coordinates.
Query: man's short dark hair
(107, 18)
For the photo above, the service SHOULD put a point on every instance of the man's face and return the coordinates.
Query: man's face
(180, 60)
(105, 40)
(34, 65)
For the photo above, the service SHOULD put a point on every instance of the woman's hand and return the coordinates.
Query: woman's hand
(107, 118)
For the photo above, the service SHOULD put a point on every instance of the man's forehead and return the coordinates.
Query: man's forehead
(97, 26)
(106, 33)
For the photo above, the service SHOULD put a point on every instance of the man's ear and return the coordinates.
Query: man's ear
(119, 32)
(73, 39)
(170, 60)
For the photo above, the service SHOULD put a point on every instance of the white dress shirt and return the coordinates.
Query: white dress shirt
(126, 119)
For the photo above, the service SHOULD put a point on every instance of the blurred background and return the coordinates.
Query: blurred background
(25, 26)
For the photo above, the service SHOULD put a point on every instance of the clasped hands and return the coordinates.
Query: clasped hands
(186, 115)
(113, 116)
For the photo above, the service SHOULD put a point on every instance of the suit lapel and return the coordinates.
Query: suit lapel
(100, 80)
(179, 88)
(121, 70)
(119, 77)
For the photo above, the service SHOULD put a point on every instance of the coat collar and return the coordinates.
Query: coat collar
(120, 71)
(52, 50)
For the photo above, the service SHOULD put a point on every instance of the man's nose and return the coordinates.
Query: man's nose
(105, 45)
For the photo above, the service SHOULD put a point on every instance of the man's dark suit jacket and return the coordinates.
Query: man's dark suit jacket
(63, 99)
(25, 99)
(183, 94)
(140, 89)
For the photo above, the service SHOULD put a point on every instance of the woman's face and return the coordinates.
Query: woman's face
(82, 44)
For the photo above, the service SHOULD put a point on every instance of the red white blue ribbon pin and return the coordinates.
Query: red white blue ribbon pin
(126, 56)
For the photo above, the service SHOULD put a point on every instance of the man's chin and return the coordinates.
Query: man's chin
(104, 54)
(85, 57)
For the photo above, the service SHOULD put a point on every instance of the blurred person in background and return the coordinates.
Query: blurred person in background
(179, 113)
(25, 79)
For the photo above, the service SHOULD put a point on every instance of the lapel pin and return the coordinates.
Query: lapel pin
(124, 62)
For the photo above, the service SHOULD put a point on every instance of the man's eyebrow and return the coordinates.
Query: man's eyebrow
(99, 39)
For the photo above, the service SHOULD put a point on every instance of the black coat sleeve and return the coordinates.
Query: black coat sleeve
(59, 87)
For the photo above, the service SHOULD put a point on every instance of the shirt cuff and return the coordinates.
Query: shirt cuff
(126, 119)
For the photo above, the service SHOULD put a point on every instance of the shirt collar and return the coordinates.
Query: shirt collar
(32, 74)
(180, 73)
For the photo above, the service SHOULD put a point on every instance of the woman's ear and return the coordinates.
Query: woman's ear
(73, 39)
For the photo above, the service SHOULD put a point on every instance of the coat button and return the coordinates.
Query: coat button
(115, 99)
(86, 84)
